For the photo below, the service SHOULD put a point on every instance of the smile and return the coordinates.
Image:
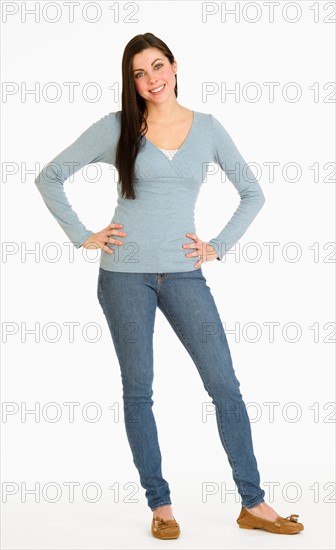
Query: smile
(157, 90)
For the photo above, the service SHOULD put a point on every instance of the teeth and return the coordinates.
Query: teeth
(158, 89)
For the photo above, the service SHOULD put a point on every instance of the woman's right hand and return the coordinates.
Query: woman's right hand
(98, 240)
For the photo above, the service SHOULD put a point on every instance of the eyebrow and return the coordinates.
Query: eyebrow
(151, 64)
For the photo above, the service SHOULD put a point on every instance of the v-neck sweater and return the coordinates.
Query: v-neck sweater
(169, 152)
(157, 221)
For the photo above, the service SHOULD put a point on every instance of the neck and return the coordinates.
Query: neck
(163, 112)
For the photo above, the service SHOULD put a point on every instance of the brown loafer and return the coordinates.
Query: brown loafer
(281, 526)
(165, 528)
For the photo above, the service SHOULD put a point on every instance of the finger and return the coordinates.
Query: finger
(110, 232)
(119, 233)
(114, 241)
(115, 225)
(192, 236)
(92, 244)
(192, 254)
(202, 258)
(107, 249)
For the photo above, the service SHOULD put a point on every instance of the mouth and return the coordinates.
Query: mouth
(158, 90)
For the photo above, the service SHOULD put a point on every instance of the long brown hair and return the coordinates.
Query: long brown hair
(133, 109)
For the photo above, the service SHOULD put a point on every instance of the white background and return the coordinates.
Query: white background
(295, 447)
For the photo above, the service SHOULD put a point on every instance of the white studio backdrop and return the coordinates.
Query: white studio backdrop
(265, 70)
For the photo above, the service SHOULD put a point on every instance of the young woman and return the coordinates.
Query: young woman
(151, 257)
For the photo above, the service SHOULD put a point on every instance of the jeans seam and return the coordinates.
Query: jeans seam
(206, 383)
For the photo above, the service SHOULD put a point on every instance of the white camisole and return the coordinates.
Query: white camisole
(169, 152)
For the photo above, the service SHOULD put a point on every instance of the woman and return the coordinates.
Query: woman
(161, 151)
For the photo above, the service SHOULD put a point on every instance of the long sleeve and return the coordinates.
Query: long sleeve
(93, 145)
(241, 176)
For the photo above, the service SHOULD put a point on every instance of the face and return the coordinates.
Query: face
(152, 70)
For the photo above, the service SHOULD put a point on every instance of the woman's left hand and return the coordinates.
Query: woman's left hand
(205, 251)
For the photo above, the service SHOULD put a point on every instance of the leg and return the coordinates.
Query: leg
(129, 304)
(187, 302)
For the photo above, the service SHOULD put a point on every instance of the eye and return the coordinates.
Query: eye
(156, 66)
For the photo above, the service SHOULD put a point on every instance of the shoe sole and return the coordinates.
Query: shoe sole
(163, 538)
(274, 532)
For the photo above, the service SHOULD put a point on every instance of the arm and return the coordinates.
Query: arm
(241, 176)
(91, 146)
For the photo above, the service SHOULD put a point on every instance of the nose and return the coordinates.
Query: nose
(152, 79)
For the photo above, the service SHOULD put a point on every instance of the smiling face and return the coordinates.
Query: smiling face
(154, 75)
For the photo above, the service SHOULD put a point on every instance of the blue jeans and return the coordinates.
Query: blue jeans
(129, 302)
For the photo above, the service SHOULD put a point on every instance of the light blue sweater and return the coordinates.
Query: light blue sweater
(157, 221)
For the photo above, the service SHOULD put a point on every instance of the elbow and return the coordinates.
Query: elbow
(42, 179)
(254, 196)
(38, 180)
(262, 199)
(259, 197)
